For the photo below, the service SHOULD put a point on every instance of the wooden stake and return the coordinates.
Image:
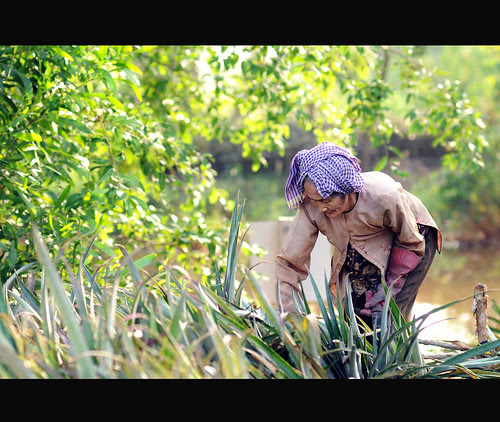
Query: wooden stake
(479, 307)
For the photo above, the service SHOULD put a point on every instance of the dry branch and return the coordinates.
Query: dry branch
(479, 307)
(454, 345)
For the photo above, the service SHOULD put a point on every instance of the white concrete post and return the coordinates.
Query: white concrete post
(271, 235)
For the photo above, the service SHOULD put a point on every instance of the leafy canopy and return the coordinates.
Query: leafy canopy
(111, 140)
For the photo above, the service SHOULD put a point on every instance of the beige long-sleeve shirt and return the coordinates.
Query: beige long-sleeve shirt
(384, 215)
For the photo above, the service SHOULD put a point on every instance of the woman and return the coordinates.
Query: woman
(376, 226)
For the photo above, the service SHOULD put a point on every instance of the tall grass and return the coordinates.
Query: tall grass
(114, 321)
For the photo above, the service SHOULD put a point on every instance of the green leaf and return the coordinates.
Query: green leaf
(133, 68)
(461, 358)
(68, 315)
(381, 163)
(327, 318)
(274, 316)
(118, 104)
(133, 267)
(133, 180)
(62, 197)
(67, 122)
(134, 87)
(30, 297)
(105, 248)
(31, 208)
(176, 323)
(110, 82)
(232, 249)
(22, 79)
(62, 53)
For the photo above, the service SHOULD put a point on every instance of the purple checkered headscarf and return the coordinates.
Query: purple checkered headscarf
(331, 168)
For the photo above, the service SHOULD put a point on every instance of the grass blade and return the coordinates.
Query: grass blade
(232, 248)
(324, 313)
(274, 318)
(78, 342)
(462, 357)
(268, 308)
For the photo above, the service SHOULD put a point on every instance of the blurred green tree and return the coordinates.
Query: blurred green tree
(81, 154)
(468, 204)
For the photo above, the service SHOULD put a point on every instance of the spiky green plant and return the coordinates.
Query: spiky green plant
(394, 350)
(115, 321)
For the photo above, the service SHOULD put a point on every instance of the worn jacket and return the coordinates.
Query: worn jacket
(384, 215)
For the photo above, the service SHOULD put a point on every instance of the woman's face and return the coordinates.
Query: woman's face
(331, 206)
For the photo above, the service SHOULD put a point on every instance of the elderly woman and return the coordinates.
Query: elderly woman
(376, 226)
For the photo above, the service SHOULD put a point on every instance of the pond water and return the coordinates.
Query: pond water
(453, 276)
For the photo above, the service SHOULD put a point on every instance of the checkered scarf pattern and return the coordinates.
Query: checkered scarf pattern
(332, 168)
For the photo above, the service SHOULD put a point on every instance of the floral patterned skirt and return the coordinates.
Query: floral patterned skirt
(363, 276)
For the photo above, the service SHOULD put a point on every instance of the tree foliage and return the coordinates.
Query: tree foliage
(339, 92)
(108, 140)
(473, 197)
(81, 153)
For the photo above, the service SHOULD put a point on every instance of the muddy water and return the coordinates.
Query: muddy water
(453, 276)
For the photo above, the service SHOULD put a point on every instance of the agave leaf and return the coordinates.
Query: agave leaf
(343, 326)
(12, 278)
(235, 319)
(353, 331)
(274, 316)
(110, 327)
(302, 300)
(331, 309)
(326, 318)
(140, 286)
(177, 318)
(133, 267)
(264, 302)
(311, 344)
(218, 282)
(239, 292)
(336, 365)
(24, 305)
(233, 249)
(495, 307)
(405, 354)
(79, 344)
(9, 358)
(274, 358)
(5, 334)
(231, 361)
(47, 310)
(460, 359)
(30, 297)
(92, 280)
(79, 291)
